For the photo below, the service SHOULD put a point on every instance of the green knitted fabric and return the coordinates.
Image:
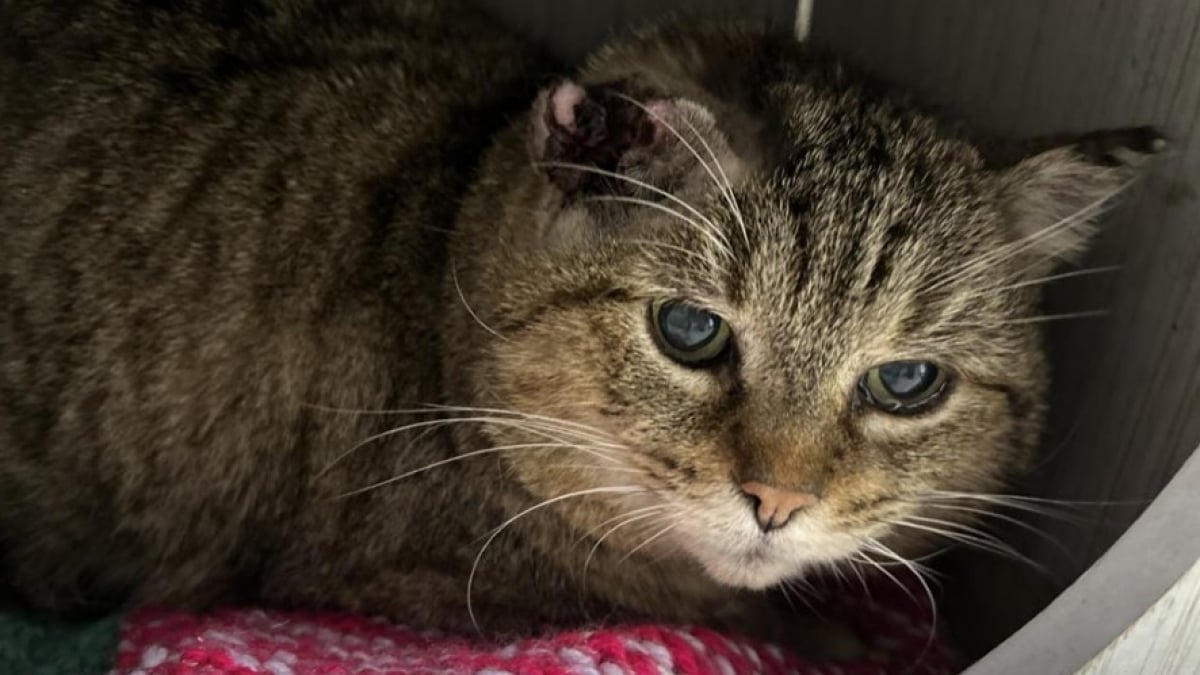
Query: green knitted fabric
(38, 646)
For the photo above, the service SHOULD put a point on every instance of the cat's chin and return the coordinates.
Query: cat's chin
(733, 551)
(764, 566)
(752, 575)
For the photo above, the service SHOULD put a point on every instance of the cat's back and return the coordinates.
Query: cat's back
(212, 213)
(124, 100)
(226, 140)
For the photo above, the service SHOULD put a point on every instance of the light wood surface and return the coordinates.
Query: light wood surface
(1164, 641)
(1093, 612)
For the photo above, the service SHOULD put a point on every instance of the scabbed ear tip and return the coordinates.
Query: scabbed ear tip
(564, 98)
(1159, 142)
(1129, 146)
(568, 115)
(596, 126)
(1149, 139)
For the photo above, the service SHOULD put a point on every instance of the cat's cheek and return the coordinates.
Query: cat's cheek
(882, 427)
(560, 370)
(687, 387)
(961, 446)
(965, 405)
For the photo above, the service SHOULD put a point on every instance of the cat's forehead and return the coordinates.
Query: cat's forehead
(850, 242)
(857, 174)
(848, 207)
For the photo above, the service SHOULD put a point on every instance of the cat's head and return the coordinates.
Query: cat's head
(789, 329)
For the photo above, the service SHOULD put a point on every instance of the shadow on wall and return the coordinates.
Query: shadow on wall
(572, 28)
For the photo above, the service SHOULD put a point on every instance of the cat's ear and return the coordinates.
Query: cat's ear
(1056, 189)
(612, 129)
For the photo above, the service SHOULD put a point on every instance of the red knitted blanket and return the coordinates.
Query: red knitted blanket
(254, 642)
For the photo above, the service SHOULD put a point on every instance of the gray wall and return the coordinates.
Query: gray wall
(1127, 387)
(573, 27)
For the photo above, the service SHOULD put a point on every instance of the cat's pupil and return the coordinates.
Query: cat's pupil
(906, 379)
(687, 328)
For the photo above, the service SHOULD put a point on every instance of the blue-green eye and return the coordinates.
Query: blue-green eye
(903, 386)
(688, 334)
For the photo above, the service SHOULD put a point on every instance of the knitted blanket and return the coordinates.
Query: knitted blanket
(241, 641)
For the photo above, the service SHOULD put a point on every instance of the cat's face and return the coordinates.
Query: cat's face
(783, 363)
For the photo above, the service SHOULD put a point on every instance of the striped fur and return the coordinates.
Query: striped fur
(234, 235)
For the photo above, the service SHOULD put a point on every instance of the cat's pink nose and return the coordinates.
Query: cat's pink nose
(774, 507)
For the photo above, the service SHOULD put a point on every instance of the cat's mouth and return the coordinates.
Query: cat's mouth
(734, 551)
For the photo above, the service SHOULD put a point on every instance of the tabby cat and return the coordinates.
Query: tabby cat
(359, 305)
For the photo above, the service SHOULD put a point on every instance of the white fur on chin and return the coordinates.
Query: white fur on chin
(724, 538)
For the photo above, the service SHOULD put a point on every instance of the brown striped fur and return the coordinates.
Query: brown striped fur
(217, 225)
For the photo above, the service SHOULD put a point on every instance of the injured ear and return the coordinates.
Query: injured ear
(580, 135)
(1054, 197)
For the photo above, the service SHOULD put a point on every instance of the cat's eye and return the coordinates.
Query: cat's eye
(689, 334)
(903, 386)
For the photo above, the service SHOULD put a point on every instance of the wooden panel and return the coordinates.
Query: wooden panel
(1127, 387)
(571, 28)
(1113, 594)
(1164, 641)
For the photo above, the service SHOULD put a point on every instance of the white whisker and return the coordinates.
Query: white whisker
(669, 247)
(862, 579)
(870, 543)
(587, 535)
(730, 198)
(634, 181)
(648, 512)
(969, 536)
(1045, 318)
(715, 238)
(1055, 277)
(598, 440)
(1018, 246)
(1009, 499)
(430, 408)
(675, 132)
(620, 489)
(524, 425)
(451, 460)
(933, 609)
(651, 539)
(463, 299)
(597, 467)
(585, 431)
(985, 513)
(794, 585)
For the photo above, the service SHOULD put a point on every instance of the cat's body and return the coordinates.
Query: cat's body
(254, 227)
(357, 145)
(227, 242)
